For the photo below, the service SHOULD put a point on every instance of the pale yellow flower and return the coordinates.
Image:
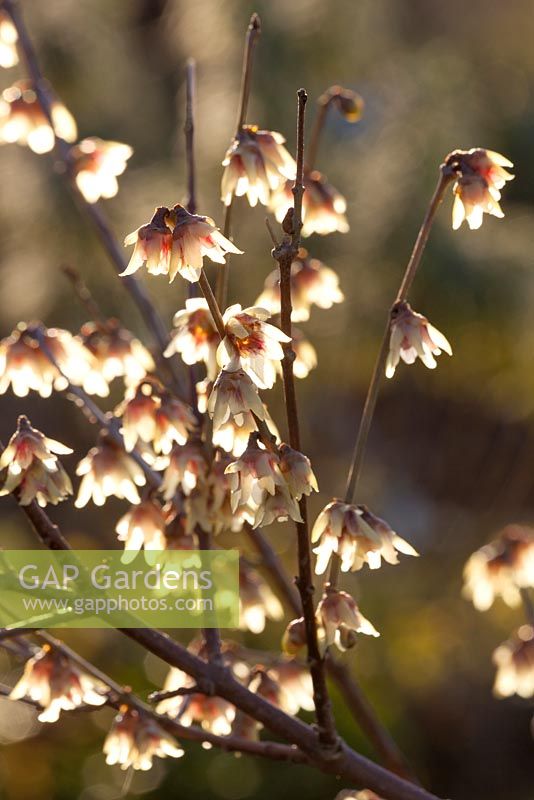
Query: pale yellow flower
(107, 470)
(23, 120)
(96, 164)
(297, 472)
(57, 684)
(195, 336)
(233, 396)
(256, 163)
(257, 603)
(477, 190)
(296, 685)
(253, 341)
(8, 42)
(501, 568)
(323, 207)
(134, 740)
(277, 507)
(187, 465)
(144, 525)
(411, 337)
(32, 467)
(117, 353)
(515, 665)
(311, 284)
(255, 473)
(340, 618)
(294, 638)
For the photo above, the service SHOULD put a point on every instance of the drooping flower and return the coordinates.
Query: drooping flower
(294, 638)
(349, 103)
(195, 336)
(256, 163)
(96, 164)
(477, 189)
(340, 618)
(8, 42)
(311, 284)
(33, 468)
(277, 507)
(25, 365)
(411, 337)
(501, 568)
(257, 603)
(305, 354)
(23, 120)
(252, 340)
(357, 536)
(234, 396)
(144, 525)
(209, 504)
(263, 683)
(297, 472)
(57, 684)
(213, 714)
(295, 684)
(153, 243)
(255, 473)
(117, 353)
(107, 470)
(515, 665)
(187, 463)
(150, 414)
(323, 207)
(134, 740)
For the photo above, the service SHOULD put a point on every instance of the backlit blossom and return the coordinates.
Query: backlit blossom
(57, 684)
(143, 525)
(134, 740)
(23, 120)
(501, 568)
(153, 243)
(254, 341)
(515, 665)
(212, 713)
(255, 473)
(297, 472)
(233, 396)
(305, 354)
(107, 470)
(8, 42)
(195, 336)
(187, 463)
(294, 638)
(25, 366)
(340, 618)
(257, 603)
(151, 415)
(357, 536)
(311, 284)
(477, 190)
(209, 505)
(117, 354)
(411, 337)
(263, 683)
(96, 165)
(323, 207)
(177, 241)
(33, 468)
(277, 507)
(256, 163)
(295, 684)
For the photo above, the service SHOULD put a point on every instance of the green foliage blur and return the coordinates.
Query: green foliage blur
(451, 452)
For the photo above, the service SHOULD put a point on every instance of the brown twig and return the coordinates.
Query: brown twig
(253, 34)
(445, 178)
(285, 254)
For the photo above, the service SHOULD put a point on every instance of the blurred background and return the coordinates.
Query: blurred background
(451, 451)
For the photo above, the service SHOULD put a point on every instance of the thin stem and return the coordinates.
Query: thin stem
(189, 131)
(83, 294)
(378, 370)
(253, 34)
(315, 136)
(285, 254)
(213, 306)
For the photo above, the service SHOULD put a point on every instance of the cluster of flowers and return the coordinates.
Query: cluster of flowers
(505, 568)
